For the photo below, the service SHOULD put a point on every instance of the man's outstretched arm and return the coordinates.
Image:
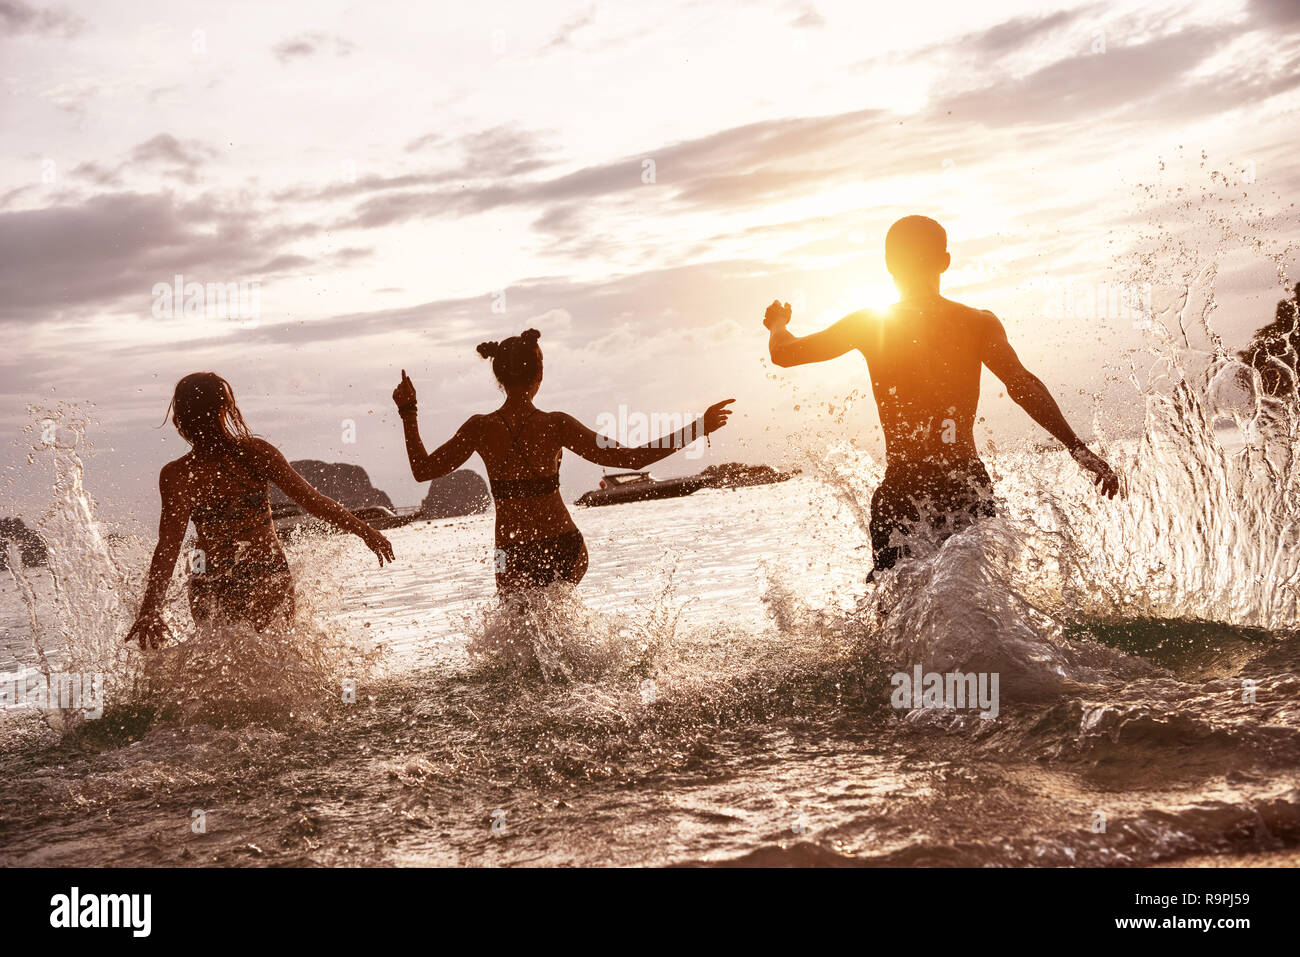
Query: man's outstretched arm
(1029, 392)
(790, 350)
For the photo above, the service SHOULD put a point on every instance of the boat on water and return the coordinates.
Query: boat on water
(623, 487)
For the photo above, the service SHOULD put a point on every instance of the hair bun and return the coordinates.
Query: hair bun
(488, 350)
(530, 336)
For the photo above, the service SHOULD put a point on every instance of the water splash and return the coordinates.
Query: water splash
(552, 632)
(80, 629)
(1208, 529)
(218, 671)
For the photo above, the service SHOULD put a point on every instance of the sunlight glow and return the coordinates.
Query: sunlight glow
(879, 294)
(876, 295)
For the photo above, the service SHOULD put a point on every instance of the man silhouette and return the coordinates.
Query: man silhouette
(924, 355)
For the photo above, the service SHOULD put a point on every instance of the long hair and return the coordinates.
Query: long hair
(517, 361)
(204, 412)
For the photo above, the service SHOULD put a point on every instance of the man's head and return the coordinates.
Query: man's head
(916, 251)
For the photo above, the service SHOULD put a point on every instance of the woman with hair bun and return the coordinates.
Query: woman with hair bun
(537, 542)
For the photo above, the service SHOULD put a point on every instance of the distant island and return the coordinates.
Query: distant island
(345, 483)
(463, 492)
(1274, 350)
(30, 546)
(739, 475)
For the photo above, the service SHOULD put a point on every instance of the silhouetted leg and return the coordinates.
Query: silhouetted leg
(893, 519)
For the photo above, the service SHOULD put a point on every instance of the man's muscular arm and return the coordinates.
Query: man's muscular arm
(788, 349)
(1029, 392)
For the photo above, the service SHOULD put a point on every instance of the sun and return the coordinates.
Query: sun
(877, 295)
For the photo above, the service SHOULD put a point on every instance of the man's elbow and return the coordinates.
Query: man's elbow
(1026, 390)
(782, 358)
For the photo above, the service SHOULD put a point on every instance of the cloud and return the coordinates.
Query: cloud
(182, 159)
(677, 299)
(307, 45)
(17, 17)
(1086, 86)
(1275, 13)
(564, 36)
(806, 17)
(108, 251)
(783, 158)
(97, 174)
(1014, 35)
(681, 168)
(428, 139)
(9, 197)
(178, 159)
(165, 148)
(491, 154)
(727, 170)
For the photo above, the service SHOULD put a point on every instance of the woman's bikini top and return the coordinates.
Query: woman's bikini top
(245, 509)
(526, 487)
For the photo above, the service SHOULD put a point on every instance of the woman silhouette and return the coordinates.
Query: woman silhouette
(223, 485)
(537, 542)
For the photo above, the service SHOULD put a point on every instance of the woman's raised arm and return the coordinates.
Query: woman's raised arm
(606, 451)
(451, 455)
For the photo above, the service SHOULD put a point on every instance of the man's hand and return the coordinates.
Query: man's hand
(777, 315)
(1102, 474)
(404, 394)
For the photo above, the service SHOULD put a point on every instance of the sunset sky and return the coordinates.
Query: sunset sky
(404, 181)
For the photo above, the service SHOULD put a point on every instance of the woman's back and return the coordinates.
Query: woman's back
(521, 448)
(537, 542)
(230, 502)
(223, 487)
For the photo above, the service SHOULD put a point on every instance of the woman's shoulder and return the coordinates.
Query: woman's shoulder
(260, 458)
(258, 449)
(553, 418)
(177, 467)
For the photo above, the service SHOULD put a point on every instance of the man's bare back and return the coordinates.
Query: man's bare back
(924, 355)
(924, 359)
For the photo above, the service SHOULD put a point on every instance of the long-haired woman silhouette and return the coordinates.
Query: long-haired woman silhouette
(223, 485)
(537, 542)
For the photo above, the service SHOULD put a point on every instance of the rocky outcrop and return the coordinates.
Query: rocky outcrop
(461, 493)
(1274, 350)
(30, 546)
(347, 484)
(738, 475)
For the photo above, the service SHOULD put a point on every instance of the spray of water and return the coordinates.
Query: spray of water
(219, 671)
(1207, 530)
